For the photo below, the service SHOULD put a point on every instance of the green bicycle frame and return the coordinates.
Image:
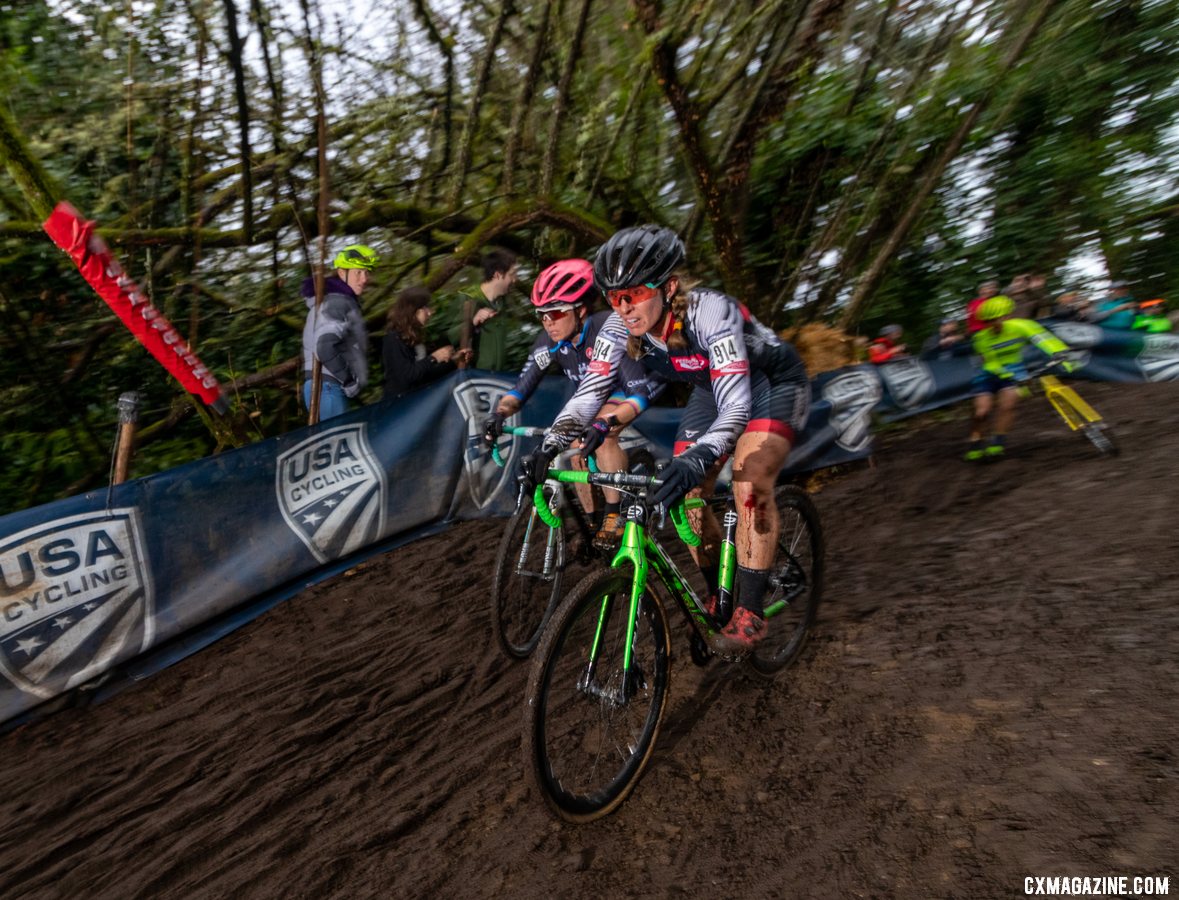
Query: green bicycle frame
(643, 553)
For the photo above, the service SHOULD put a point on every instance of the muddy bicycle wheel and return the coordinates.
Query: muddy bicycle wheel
(589, 730)
(526, 587)
(795, 587)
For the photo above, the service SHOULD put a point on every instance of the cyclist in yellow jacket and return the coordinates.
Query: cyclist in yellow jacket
(1000, 344)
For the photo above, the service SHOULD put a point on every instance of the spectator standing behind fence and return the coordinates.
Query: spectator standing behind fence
(1071, 306)
(335, 334)
(1029, 296)
(946, 342)
(986, 291)
(887, 345)
(474, 316)
(1118, 308)
(1152, 317)
(407, 365)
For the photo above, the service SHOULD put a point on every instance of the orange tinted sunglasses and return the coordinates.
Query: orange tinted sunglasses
(633, 295)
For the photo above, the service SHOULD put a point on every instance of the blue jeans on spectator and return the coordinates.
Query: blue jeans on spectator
(332, 401)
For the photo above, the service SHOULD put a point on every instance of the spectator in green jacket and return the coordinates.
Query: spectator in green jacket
(1152, 317)
(475, 316)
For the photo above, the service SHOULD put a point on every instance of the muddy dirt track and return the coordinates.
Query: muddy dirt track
(990, 694)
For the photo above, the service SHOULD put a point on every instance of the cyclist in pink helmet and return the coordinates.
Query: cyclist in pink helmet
(563, 295)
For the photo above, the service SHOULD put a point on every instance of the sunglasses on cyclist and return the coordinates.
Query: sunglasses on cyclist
(554, 315)
(633, 295)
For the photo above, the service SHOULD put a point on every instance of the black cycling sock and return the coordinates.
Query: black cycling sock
(614, 507)
(751, 588)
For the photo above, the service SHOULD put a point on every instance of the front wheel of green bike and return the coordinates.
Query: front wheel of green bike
(795, 587)
(1100, 435)
(526, 586)
(590, 721)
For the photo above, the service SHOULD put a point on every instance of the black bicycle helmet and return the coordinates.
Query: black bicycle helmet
(647, 254)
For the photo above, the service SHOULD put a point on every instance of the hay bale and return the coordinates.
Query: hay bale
(823, 347)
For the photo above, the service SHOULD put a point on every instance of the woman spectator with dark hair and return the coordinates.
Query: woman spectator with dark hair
(403, 351)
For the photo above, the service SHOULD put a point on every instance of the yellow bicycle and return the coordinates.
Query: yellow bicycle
(1077, 414)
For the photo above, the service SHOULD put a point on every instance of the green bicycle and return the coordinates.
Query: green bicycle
(601, 675)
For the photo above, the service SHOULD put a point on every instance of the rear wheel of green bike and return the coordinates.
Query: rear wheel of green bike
(796, 582)
(588, 730)
(526, 587)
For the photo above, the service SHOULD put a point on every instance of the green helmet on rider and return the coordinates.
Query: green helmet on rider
(995, 308)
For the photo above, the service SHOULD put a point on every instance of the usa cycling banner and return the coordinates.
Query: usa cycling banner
(94, 581)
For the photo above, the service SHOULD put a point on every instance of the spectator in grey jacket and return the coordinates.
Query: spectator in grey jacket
(335, 332)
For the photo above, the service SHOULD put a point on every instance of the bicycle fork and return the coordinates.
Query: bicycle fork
(631, 550)
(551, 552)
(1068, 403)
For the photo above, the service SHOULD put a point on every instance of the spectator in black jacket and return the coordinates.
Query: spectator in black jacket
(946, 342)
(403, 352)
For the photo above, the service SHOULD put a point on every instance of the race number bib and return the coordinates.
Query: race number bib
(603, 350)
(725, 356)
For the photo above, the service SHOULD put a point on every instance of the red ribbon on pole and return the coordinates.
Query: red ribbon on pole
(75, 235)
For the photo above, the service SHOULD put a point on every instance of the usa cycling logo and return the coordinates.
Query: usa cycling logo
(77, 598)
(477, 398)
(909, 381)
(332, 491)
(1159, 357)
(852, 397)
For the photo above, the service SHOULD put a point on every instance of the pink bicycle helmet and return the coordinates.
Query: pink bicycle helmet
(564, 285)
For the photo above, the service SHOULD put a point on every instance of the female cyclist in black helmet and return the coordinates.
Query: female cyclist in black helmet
(750, 398)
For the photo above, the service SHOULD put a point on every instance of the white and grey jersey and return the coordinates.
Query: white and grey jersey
(728, 352)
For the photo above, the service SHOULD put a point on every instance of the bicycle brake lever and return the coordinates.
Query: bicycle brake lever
(659, 514)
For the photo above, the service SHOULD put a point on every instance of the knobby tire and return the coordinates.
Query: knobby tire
(796, 577)
(1100, 435)
(522, 598)
(586, 751)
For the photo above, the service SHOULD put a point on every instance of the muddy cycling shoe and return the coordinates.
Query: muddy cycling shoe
(609, 536)
(743, 633)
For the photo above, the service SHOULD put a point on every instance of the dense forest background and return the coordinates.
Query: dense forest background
(825, 160)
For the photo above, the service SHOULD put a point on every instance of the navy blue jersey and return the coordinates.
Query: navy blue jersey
(573, 357)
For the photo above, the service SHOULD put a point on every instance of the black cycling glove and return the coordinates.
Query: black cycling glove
(493, 427)
(534, 468)
(676, 480)
(593, 436)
